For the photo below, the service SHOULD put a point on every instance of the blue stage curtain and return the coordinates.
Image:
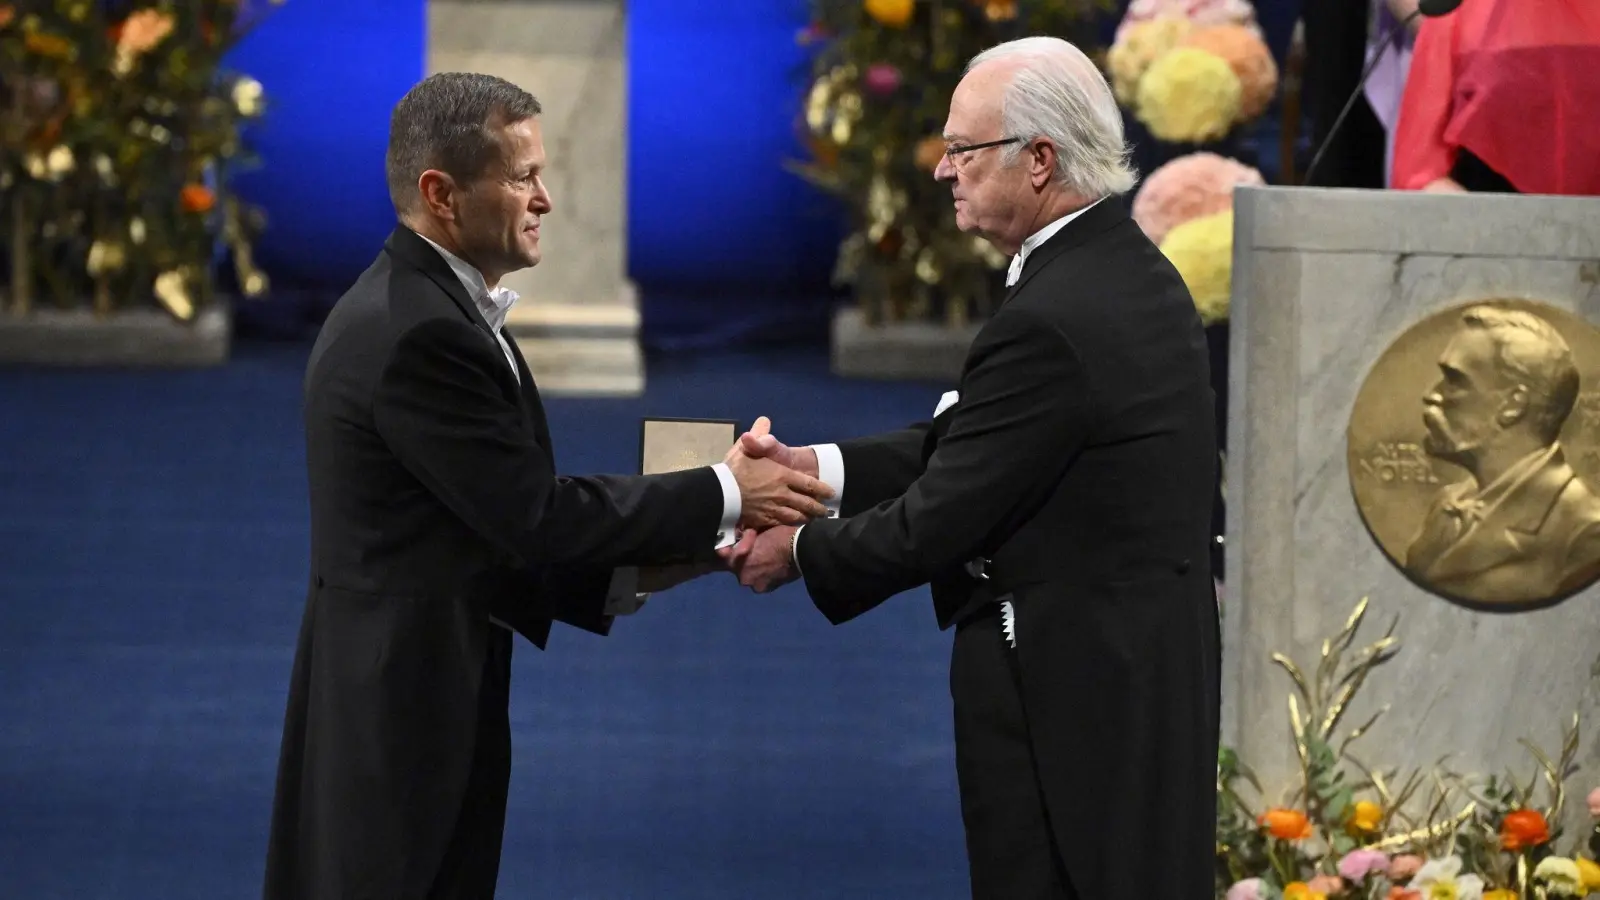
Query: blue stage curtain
(722, 241)
(332, 72)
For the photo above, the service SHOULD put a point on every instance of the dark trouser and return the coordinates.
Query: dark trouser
(471, 863)
(1011, 848)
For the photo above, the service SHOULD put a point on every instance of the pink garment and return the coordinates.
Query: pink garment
(1516, 83)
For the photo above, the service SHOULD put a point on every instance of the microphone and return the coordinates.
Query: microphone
(1430, 8)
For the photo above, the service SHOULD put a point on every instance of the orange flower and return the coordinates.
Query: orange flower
(1000, 10)
(196, 198)
(1500, 894)
(1299, 890)
(1523, 828)
(1399, 893)
(6, 15)
(1286, 824)
(893, 13)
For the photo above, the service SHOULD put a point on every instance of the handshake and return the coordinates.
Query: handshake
(779, 491)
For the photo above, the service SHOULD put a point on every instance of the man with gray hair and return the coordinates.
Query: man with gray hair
(439, 525)
(1059, 503)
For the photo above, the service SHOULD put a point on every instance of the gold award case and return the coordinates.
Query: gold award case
(675, 444)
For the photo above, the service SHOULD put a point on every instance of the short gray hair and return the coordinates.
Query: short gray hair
(445, 123)
(1529, 350)
(1059, 93)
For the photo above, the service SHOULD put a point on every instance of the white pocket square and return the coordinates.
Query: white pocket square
(948, 400)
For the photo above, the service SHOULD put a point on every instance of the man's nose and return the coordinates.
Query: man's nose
(945, 170)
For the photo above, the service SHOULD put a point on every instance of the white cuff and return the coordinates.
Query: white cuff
(732, 504)
(794, 541)
(623, 597)
(830, 471)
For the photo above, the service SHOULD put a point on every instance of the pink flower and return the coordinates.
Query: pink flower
(1189, 187)
(882, 79)
(1358, 864)
(1326, 885)
(1594, 803)
(1402, 867)
(1248, 889)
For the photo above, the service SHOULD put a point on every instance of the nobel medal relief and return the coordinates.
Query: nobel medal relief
(1474, 454)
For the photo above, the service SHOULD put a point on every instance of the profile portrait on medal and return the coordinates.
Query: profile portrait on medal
(1522, 527)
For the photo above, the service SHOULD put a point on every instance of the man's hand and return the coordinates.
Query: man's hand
(774, 493)
(762, 560)
(1444, 186)
(758, 443)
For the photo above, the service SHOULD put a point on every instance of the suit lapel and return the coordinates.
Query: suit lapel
(408, 246)
(531, 402)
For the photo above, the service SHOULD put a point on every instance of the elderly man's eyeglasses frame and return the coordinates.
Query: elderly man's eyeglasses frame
(951, 152)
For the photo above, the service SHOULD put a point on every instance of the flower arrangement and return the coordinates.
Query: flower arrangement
(1349, 831)
(116, 155)
(1192, 70)
(881, 78)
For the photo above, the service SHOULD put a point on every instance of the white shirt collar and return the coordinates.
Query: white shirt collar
(494, 304)
(1039, 237)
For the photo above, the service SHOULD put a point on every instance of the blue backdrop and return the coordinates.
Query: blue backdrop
(714, 221)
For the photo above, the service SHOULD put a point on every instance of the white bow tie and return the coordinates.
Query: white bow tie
(499, 304)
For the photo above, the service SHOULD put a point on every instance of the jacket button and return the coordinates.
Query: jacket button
(1182, 568)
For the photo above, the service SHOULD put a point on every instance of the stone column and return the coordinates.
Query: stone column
(578, 320)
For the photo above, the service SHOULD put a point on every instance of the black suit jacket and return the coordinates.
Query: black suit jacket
(1080, 459)
(435, 504)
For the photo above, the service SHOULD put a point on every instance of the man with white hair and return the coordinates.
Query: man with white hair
(1059, 503)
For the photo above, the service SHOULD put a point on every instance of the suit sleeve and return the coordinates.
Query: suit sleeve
(441, 411)
(1024, 414)
(882, 467)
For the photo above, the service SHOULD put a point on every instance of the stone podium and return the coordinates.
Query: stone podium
(1324, 282)
(578, 320)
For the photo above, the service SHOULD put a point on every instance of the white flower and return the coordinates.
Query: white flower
(173, 293)
(255, 284)
(136, 231)
(1560, 876)
(105, 257)
(247, 96)
(52, 166)
(1442, 878)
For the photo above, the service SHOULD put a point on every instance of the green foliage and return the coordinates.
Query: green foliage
(875, 148)
(122, 135)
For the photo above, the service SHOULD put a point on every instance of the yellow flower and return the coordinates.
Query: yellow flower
(1189, 96)
(1500, 894)
(1366, 816)
(1299, 890)
(1590, 872)
(1202, 251)
(1137, 47)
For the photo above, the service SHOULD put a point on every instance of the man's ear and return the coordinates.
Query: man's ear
(1042, 162)
(439, 193)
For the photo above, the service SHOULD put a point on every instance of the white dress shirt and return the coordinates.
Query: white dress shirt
(623, 597)
(830, 462)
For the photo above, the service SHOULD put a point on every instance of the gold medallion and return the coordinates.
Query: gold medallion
(1474, 454)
